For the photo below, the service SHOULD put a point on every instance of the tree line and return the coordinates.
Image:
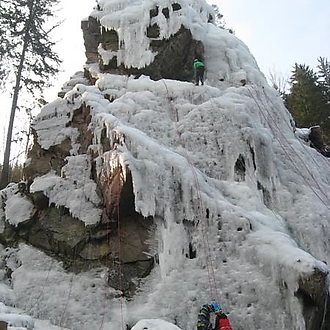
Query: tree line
(308, 95)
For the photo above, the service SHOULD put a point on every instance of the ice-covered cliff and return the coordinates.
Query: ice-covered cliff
(173, 194)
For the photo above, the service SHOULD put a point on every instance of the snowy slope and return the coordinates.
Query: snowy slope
(219, 169)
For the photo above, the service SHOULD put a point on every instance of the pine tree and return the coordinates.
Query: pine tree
(25, 49)
(218, 17)
(306, 100)
(324, 72)
(324, 81)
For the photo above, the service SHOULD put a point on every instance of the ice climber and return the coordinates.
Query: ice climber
(222, 322)
(199, 72)
(203, 320)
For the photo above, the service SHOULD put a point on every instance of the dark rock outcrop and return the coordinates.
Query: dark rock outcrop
(92, 39)
(317, 141)
(174, 55)
(315, 299)
(3, 325)
(55, 231)
(118, 242)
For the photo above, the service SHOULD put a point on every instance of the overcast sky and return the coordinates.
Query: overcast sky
(280, 33)
(70, 44)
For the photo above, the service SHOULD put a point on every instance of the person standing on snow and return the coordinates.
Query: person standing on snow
(222, 322)
(203, 320)
(199, 71)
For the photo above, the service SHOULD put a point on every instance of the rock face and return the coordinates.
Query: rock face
(318, 142)
(53, 230)
(174, 55)
(314, 298)
(111, 242)
(3, 325)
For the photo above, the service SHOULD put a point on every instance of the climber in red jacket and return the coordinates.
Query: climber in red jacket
(222, 322)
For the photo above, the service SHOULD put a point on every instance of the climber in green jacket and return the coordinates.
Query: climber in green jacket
(199, 71)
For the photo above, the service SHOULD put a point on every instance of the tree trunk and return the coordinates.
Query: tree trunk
(5, 170)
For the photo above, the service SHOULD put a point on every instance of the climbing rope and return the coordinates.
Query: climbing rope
(242, 163)
(119, 247)
(42, 290)
(200, 206)
(323, 159)
(293, 151)
(37, 299)
(120, 268)
(66, 304)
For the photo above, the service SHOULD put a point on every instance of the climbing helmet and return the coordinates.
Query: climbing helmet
(216, 307)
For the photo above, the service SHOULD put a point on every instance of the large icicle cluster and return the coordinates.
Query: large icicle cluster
(131, 19)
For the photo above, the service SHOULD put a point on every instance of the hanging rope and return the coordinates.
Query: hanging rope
(75, 257)
(120, 268)
(200, 207)
(293, 151)
(325, 160)
(36, 302)
(120, 274)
